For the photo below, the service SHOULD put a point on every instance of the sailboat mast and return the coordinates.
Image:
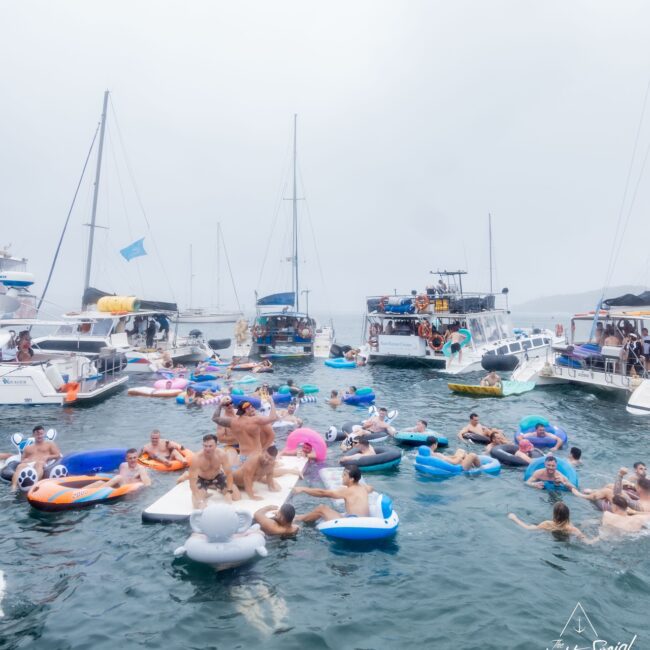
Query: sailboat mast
(490, 238)
(98, 171)
(218, 266)
(295, 287)
(191, 277)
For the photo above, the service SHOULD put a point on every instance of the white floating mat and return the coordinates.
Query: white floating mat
(176, 505)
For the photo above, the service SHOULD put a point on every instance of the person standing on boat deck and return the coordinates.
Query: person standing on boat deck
(163, 323)
(353, 493)
(389, 327)
(150, 333)
(645, 340)
(456, 339)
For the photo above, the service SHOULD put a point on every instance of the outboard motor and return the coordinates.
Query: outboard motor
(499, 362)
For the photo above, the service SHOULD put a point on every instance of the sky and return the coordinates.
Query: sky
(416, 119)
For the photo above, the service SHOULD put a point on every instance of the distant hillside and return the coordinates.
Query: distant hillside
(574, 302)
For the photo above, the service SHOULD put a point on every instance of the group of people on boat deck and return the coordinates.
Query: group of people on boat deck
(635, 353)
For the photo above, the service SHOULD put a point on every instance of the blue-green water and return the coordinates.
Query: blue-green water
(459, 574)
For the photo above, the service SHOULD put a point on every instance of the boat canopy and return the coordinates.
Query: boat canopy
(630, 300)
(287, 298)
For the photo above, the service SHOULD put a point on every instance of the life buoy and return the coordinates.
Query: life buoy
(373, 342)
(374, 330)
(306, 333)
(422, 303)
(424, 329)
(436, 342)
(382, 303)
(259, 331)
(559, 329)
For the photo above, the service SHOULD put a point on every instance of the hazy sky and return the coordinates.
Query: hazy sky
(416, 119)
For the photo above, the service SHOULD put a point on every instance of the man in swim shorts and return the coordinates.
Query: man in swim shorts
(476, 427)
(210, 470)
(164, 451)
(37, 455)
(457, 339)
(129, 472)
(353, 493)
(281, 523)
(549, 474)
(467, 460)
(541, 432)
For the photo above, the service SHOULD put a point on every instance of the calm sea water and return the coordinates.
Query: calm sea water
(459, 574)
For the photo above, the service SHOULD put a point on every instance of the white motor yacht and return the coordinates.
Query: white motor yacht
(418, 328)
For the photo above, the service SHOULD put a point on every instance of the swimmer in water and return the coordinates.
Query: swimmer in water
(561, 523)
(281, 523)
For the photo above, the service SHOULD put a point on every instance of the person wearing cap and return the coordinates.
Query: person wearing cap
(525, 451)
(279, 523)
(467, 460)
(549, 474)
(541, 432)
(247, 427)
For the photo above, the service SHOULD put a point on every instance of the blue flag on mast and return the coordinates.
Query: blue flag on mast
(136, 249)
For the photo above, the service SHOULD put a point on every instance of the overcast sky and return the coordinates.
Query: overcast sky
(415, 120)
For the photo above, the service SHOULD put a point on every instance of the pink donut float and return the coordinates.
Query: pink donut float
(179, 382)
(299, 436)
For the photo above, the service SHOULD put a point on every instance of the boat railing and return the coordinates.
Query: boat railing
(625, 368)
(432, 303)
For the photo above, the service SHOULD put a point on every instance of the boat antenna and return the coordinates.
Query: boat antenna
(294, 200)
(490, 239)
(67, 221)
(218, 264)
(98, 171)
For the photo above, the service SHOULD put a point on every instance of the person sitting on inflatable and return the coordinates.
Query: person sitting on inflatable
(353, 493)
(475, 427)
(497, 438)
(525, 451)
(491, 379)
(467, 460)
(549, 474)
(36, 455)
(303, 450)
(561, 523)
(541, 432)
(350, 355)
(377, 423)
(334, 399)
(364, 448)
(289, 414)
(163, 450)
(420, 427)
(129, 472)
(281, 523)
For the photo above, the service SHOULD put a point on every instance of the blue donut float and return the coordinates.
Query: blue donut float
(527, 425)
(356, 399)
(383, 458)
(238, 399)
(282, 398)
(202, 386)
(434, 466)
(94, 461)
(415, 439)
(340, 362)
(206, 376)
(563, 466)
(382, 522)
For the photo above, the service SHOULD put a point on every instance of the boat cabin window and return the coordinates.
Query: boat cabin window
(547, 341)
(504, 325)
(491, 326)
(515, 347)
(102, 327)
(580, 330)
(537, 342)
(476, 328)
(68, 328)
(527, 344)
(502, 350)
